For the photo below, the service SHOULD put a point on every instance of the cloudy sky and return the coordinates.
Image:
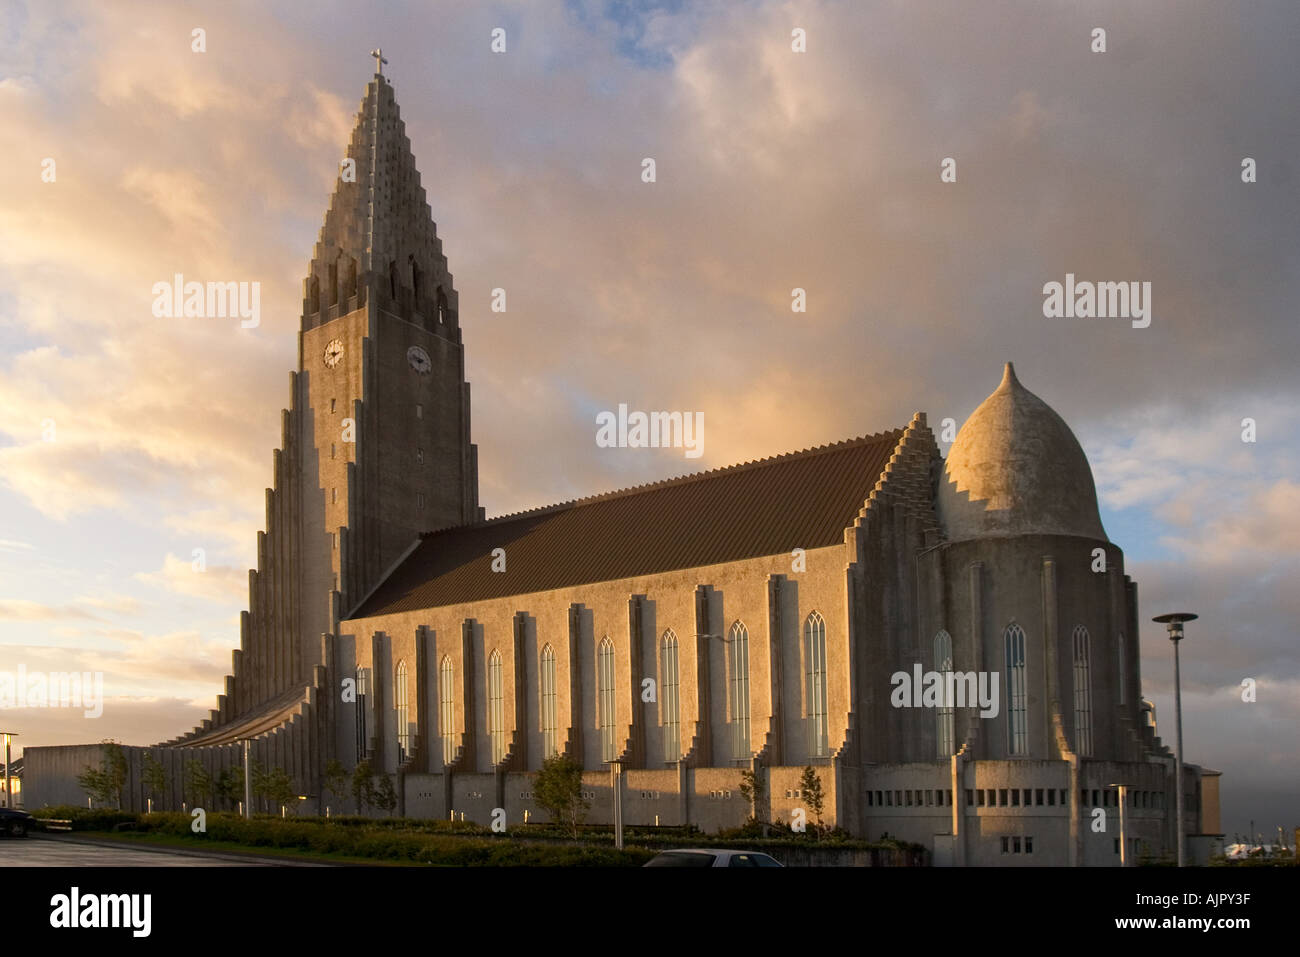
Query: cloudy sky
(127, 441)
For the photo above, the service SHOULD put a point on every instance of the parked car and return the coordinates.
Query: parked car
(15, 823)
(711, 857)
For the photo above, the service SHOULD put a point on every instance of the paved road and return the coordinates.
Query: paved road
(40, 850)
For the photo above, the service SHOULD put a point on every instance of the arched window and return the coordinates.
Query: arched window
(548, 699)
(814, 640)
(403, 713)
(605, 692)
(669, 708)
(447, 709)
(738, 644)
(1013, 640)
(363, 744)
(943, 665)
(1121, 667)
(496, 708)
(1082, 690)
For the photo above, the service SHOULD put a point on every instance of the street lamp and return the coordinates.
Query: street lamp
(1174, 622)
(1123, 833)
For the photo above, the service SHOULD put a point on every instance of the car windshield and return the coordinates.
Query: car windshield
(674, 859)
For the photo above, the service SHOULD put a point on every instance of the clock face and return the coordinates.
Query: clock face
(333, 352)
(419, 360)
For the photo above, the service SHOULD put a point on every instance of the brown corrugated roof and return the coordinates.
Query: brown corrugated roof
(800, 500)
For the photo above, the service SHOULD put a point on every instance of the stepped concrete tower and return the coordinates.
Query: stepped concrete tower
(375, 445)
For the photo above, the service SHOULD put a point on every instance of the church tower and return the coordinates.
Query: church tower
(375, 446)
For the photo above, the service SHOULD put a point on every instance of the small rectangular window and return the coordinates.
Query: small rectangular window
(871, 799)
(970, 797)
(1029, 845)
(948, 797)
(334, 495)
(1051, 797)
(419, 411)
(1029, 797)
(1095, 796)
(419, 456)
(1002, 797)
(332, 404)
(909, 797)
(333, 450)
(979, 795)
(1006, 845)
(993, 798)
(1117, 845)
(1038, 797)
(1015, 797)
(334, 539)
(889, 798)
(1062, 790)
(898, 799)
(1015, 845)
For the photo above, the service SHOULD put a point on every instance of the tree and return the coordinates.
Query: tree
(230, 785)
(363, 786)
(336, 778)
(197, 785)
(811, 787)
(105, 783)
(385, 796)
(154, 777)
(558, 789)
(752, 790)
(261, 779)
(278, 786)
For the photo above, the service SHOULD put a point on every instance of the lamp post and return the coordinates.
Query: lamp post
(1123, 831)
(1174, 622)
(9, 793)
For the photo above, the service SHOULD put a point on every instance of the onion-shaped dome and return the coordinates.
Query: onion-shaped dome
(1017, 469)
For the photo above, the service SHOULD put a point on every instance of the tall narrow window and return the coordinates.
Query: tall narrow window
(738, 644)
(403, 713)
(814, 638)
(496, 708)
(605, 692)
(447, 709)
(363, 745)
(1017, 716)
(669, 709)
(1083, 690)
(548, 700)
(944, 716)
(1121, 667)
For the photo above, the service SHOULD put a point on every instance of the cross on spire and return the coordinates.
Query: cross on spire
(378, 54)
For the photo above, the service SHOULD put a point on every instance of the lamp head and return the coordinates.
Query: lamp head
(1174, 621)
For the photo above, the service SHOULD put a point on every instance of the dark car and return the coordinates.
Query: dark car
(15, 823)
(709, 857)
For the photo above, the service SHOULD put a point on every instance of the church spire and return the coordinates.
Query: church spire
(379, 238)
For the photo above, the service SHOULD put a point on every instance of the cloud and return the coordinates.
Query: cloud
(23, 610)
(217, 583)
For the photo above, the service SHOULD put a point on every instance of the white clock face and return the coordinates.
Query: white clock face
(333, 352)
(419, 360)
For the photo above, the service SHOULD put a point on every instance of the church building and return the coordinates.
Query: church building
(951, 644)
